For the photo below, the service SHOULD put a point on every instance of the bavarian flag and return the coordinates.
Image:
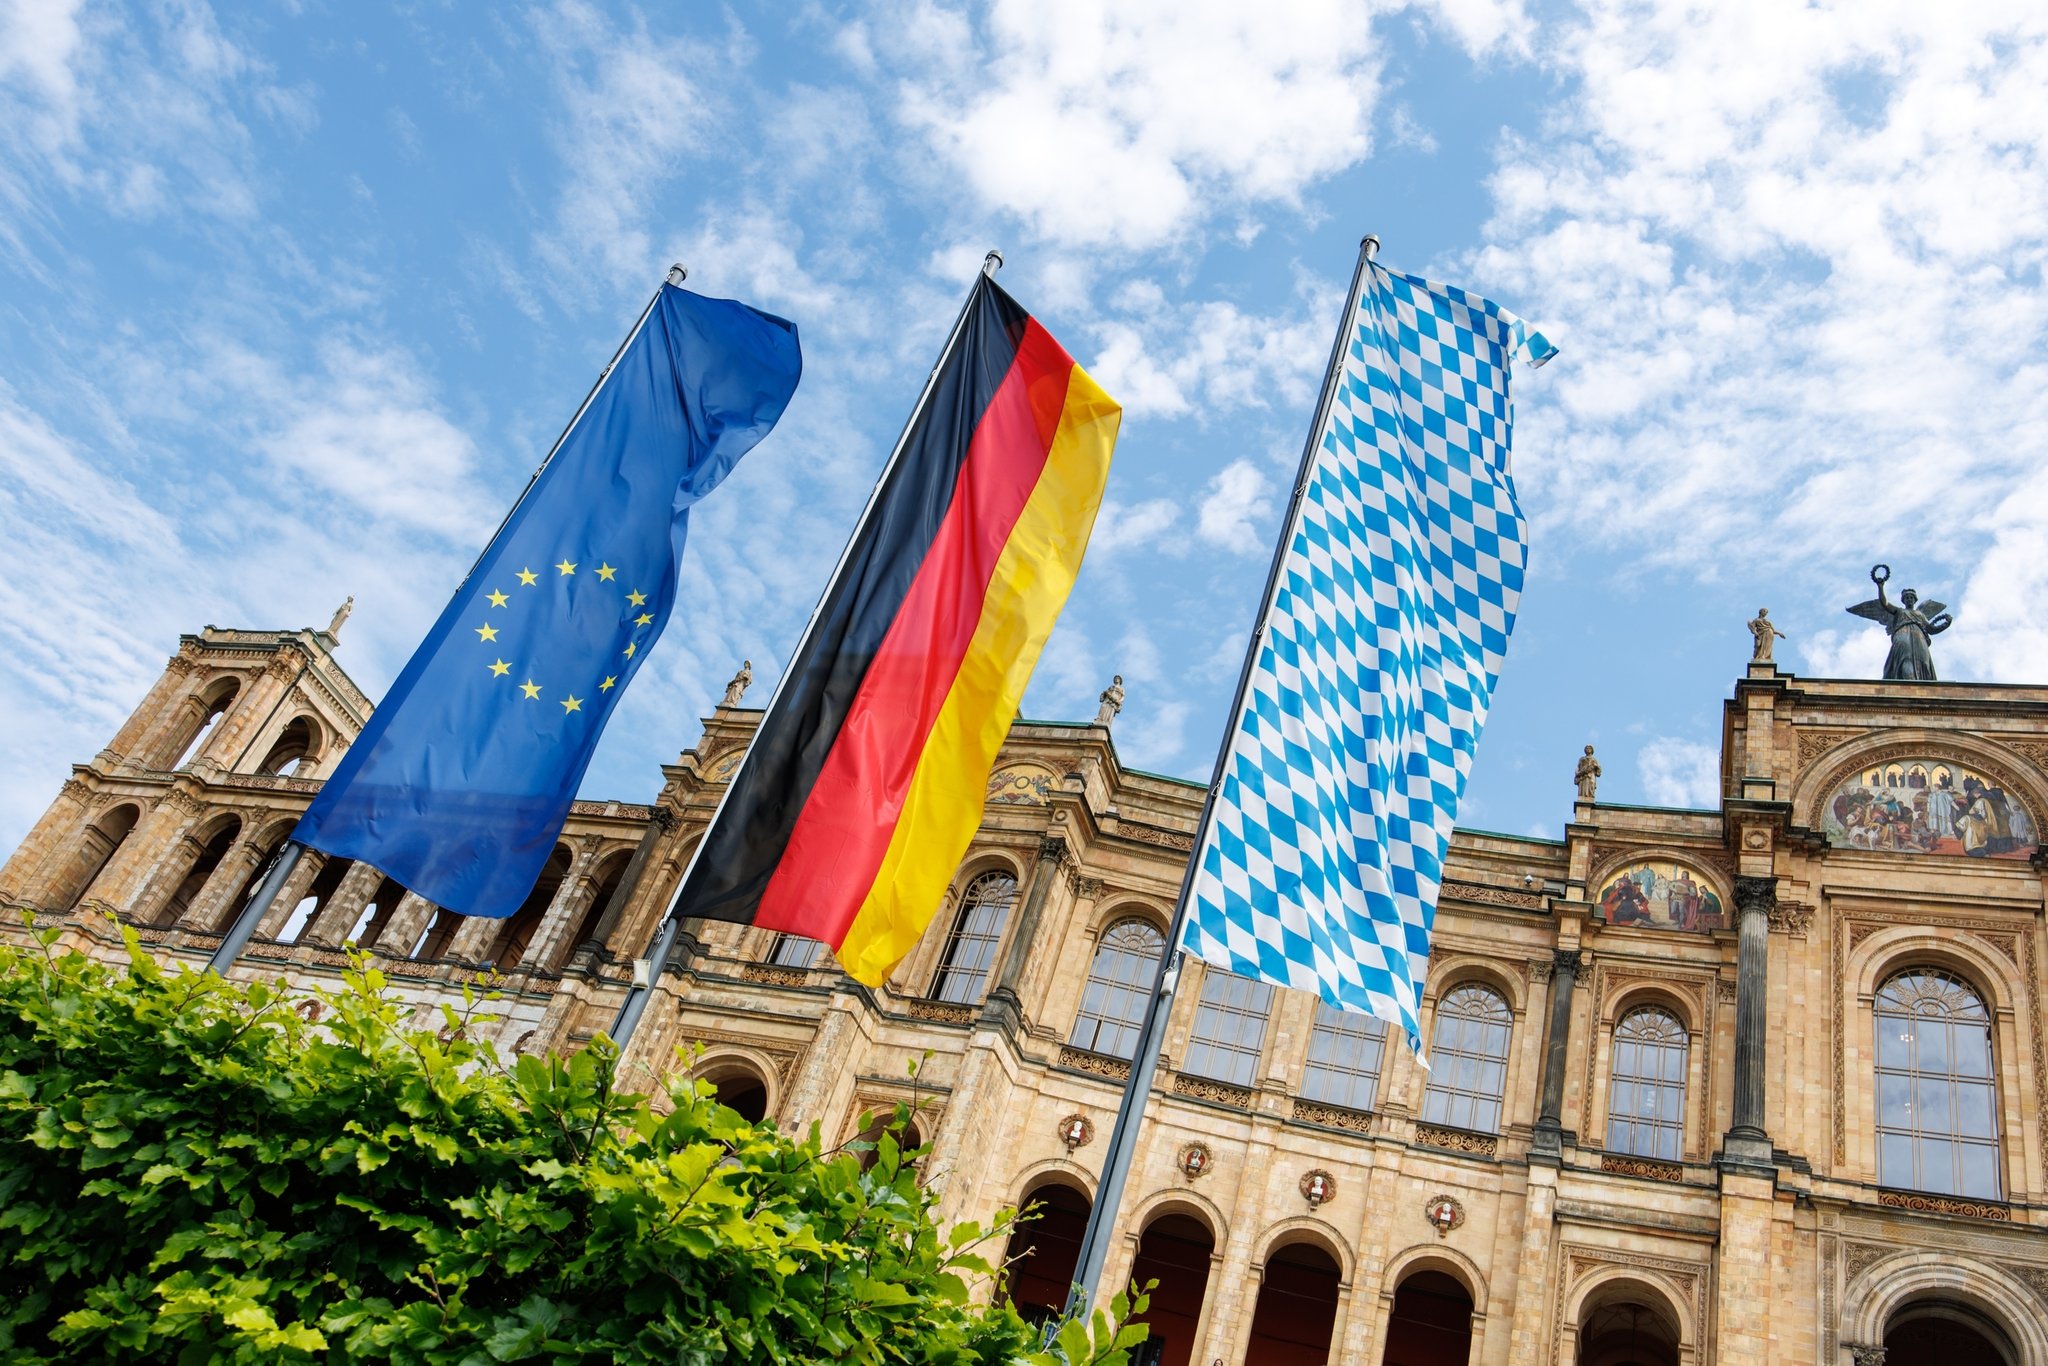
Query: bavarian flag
(864, 782)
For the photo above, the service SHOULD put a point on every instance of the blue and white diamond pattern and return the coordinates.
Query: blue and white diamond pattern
(1387, 629)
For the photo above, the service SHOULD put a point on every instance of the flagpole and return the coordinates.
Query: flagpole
(1122, 1144)
(639, 993)
(238, 934)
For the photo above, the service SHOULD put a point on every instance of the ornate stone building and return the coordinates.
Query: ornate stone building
(1760, 1083)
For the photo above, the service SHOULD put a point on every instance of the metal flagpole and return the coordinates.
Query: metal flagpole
(1117, 1153)
(641, 991)
(237, 937)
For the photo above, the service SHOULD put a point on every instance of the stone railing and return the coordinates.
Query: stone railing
(939, 1012)
(1095, 1064)
(1943, 1204)
(266, 782)
(1221, 1092)
(1648, 1167)
(768, 974)
(1332, 1116)
(1457, 1140)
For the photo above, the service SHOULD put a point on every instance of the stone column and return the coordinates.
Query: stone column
(558, 922)
(293, 892)
(338, 916)
(1528, 1335)
(121, 883)
(229, 877)
(154, 898)
(256, 705)
(1746, 1143)
(1002, 1005)
(474, 939)
(396, 938)
(661, 824)
(131, 741)
(50, 846)
(1548, 1145)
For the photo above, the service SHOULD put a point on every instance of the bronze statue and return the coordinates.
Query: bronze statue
(1587, 775)
(1911, 624)
(1763, 630)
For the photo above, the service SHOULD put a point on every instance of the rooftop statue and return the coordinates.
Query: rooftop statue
(1911, 624)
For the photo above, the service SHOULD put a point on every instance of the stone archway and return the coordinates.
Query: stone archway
(1932, 1300)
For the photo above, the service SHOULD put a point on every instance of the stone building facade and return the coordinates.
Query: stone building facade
(1761, 1083)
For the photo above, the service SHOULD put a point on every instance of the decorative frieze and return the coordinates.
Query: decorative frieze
(1488, 895)
(1814, 743)
(1155, 835)
(1221, 1092)
(767, 974)
(1942, 1204)
(940, 1012)
(1332, 1116)
(1095, 1064)
(1457, 1140)
(1646, 1167)
(1791, 917)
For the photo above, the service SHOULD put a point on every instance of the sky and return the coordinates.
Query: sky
(294, 296)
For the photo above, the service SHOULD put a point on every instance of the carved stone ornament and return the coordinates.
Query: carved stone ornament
(1642, 1166)
(1942, 1204)
(1333, 1116)
(1096, 1064)
(1791, 917)
(1445, 1213)
(1221, 1092)
(1194, 1160)
(1865, 1356)
(1077, 1131)
(1318, 1187)
(1457, 1140)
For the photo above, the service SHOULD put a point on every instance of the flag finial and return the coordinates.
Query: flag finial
(678, 273)
(992, 262)
(1370, 245)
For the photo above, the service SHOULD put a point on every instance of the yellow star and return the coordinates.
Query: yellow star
(606, 686)
(574, 703)
(500, 669)
(487, 632)
(607, 573)
(498, 599)
(629, 650)
(636, 598)
(566, 568)
(644, 619)
(531, 689)
(528, 577)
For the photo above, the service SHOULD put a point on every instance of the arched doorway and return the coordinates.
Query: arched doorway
(1174, 1250)
(1627, 1327)
(1432, 1322)
(1297, 1308)
(1044, 1249)
(1943, 1333)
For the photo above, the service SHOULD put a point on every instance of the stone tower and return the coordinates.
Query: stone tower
(130, 832)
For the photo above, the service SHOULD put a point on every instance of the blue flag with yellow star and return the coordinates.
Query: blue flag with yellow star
(459, 784)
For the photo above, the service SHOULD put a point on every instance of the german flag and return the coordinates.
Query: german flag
(864, 783)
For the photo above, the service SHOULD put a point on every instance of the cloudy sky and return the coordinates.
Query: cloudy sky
(293, 296)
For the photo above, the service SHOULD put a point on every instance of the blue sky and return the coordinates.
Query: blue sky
(293, 297)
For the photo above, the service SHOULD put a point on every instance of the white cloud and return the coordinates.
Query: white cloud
(1797, 252)
(1121, 526)
(1208, 359)
(1128, 125)
(1680, 772)
(1236, 510)
(629, 114)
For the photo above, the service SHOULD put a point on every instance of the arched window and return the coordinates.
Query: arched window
(1344, 1056)
(208, 713)
(293, 750)
(508, 948)
(1468, 1059)
(1646, 1096)
(971, 947)
(794, 951)
(1230, 1028)
(1119, 985)
(1937, 1105)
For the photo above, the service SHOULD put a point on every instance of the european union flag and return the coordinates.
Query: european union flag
(459, 784)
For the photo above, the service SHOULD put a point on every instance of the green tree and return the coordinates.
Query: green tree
(194, 1170)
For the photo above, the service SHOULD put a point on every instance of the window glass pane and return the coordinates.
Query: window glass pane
(1230, 1028)
(1935, 1086)
(1647, 1088)
(1468, 1058)
(970, 948)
